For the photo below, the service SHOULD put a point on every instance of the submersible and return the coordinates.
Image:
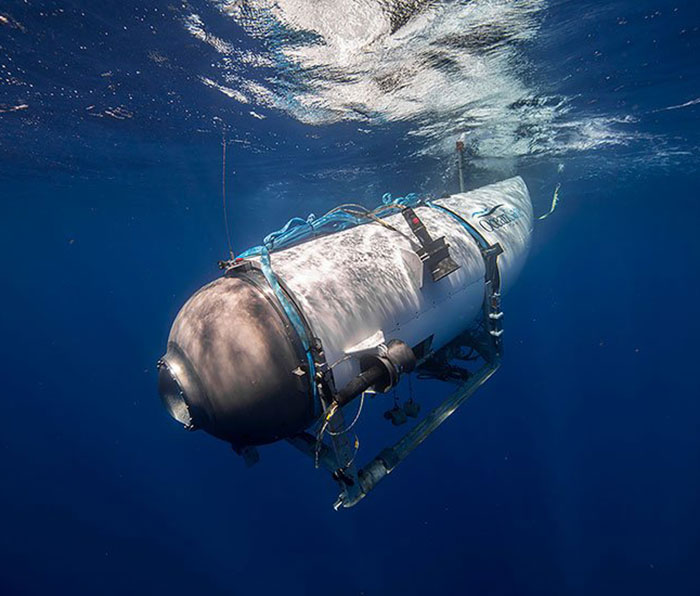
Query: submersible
(330, 308)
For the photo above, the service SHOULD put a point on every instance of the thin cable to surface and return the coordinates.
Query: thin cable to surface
(223, 190)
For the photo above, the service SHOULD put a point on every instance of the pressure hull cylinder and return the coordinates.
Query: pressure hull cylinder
(235, 365)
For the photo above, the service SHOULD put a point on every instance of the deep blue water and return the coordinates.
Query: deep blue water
(574, 471)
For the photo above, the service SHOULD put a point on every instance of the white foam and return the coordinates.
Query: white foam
(687, 104)
(448, 68)
(232, 93)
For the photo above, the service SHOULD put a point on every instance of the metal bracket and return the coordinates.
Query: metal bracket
(435, 254)
(493, 315)
(337, 458)
(346, 474)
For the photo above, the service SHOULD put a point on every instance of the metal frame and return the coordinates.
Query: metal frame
(356, 483)
(338, 456)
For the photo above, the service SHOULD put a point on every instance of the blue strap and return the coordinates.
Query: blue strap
(410, 200)
(296, 321)
(473, 232)
(298, 230)
(294, 226)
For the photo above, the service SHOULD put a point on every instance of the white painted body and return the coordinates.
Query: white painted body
(354, 284)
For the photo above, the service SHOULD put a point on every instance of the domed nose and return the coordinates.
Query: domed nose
(233, 365)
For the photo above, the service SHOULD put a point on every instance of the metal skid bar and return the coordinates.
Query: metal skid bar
(384, 463)
(356, 484)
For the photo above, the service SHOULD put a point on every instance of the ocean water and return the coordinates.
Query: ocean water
(575, 470)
